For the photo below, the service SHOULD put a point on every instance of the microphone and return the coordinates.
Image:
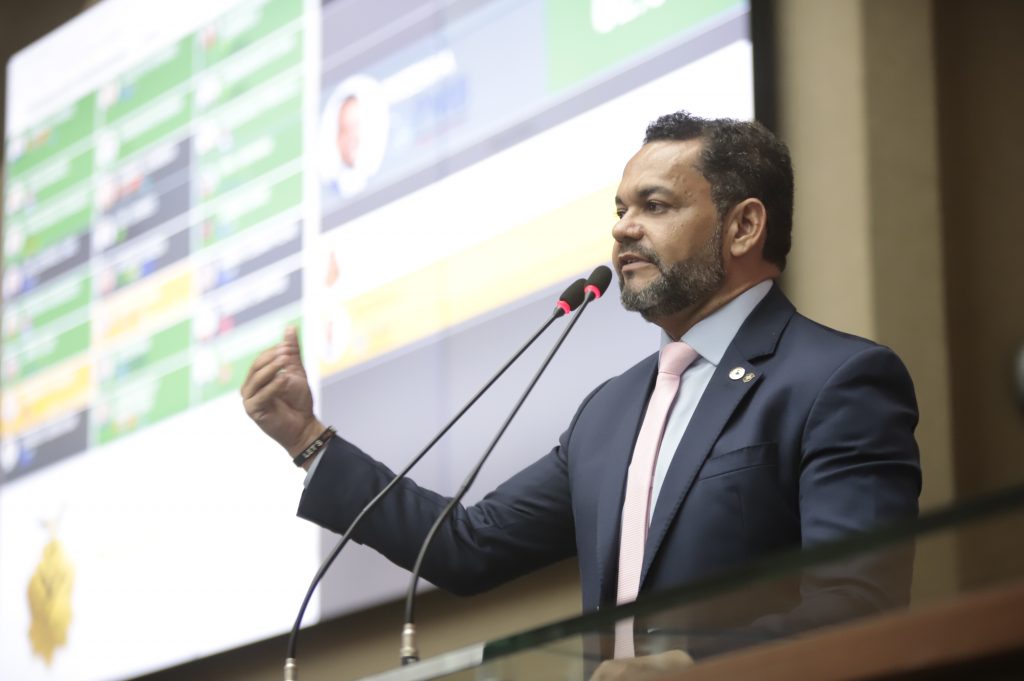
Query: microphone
(595, 286)
(572, 297)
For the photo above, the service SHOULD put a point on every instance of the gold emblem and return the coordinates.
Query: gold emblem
(49, 600)
(736, 373)
(749, 377)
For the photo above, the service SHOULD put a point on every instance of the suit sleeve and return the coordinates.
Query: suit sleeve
(860, 466)
(524, 524)
(860, 471)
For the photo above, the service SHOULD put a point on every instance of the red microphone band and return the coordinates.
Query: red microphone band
(590, 288)
(564, 306)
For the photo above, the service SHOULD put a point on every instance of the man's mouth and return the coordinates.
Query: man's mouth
(631, 261)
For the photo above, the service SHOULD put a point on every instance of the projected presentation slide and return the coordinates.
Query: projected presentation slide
(408, 184)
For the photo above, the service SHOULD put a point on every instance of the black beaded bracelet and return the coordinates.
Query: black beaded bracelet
(319, 443)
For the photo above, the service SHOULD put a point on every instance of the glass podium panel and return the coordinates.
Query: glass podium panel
(969, 549)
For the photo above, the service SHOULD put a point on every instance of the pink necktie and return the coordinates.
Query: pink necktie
(675, 357)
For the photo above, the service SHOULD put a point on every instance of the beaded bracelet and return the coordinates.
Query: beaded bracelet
(319, 443)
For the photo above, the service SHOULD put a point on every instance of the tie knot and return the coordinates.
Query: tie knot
(675, 357)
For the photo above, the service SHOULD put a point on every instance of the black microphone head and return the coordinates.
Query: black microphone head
(598, 282)
(571, 297)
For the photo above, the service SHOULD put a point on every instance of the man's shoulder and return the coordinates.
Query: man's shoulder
(818, 352)
(802, 329)
(803, 334)
(776, 336)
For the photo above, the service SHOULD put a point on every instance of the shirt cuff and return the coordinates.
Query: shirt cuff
(312, 467)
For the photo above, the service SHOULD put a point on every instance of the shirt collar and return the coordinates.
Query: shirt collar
(711, 336)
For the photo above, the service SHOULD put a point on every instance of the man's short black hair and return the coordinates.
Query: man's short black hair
(740, 160)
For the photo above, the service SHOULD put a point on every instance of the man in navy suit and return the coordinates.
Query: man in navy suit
(784, 433)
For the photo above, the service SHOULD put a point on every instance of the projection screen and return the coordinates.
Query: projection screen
(409, 183)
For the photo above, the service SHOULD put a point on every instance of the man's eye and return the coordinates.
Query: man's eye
(619, 212)
(654, 207)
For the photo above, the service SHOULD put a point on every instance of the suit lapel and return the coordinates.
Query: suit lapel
(716, 406)
(757, 338)
(639, 382)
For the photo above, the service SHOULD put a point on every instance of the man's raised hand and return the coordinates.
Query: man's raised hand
(276, 395)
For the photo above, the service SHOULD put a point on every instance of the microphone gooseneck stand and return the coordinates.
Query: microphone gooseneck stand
(571, 298)
(596, 285)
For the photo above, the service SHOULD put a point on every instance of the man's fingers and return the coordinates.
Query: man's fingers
(290, 344)
(260, 378)
(262, 359)
(275, 393)
(266, 386)
(287, 350)
(256, 406)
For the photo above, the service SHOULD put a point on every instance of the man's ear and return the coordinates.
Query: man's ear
(747, 228)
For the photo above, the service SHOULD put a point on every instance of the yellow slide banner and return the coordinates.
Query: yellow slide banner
(569, 240)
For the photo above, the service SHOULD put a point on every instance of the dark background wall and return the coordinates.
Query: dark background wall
(980, 58)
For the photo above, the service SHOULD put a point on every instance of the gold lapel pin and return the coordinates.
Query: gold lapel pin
(749, 377)
(736, 373)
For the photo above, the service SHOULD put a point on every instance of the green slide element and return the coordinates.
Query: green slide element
(143, 404)
(277, 104)
(38, 308)
(129, 361)
(50, 179)
(250, 206)
(149, 81)
(155, 123)
(48, 352)
(242, 27)
(587, 37)
(51, 137)
(275, 148)
(247, 71)
(70, 216)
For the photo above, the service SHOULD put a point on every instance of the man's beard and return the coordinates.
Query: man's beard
(680, 286)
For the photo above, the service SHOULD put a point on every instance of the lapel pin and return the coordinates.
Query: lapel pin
(749, 377)
(736, 373)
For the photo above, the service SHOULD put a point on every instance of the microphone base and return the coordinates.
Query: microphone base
(408, 652)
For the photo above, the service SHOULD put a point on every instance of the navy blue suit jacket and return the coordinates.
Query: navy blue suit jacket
(817, 445)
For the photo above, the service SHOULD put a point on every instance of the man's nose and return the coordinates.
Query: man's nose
(627, 228)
